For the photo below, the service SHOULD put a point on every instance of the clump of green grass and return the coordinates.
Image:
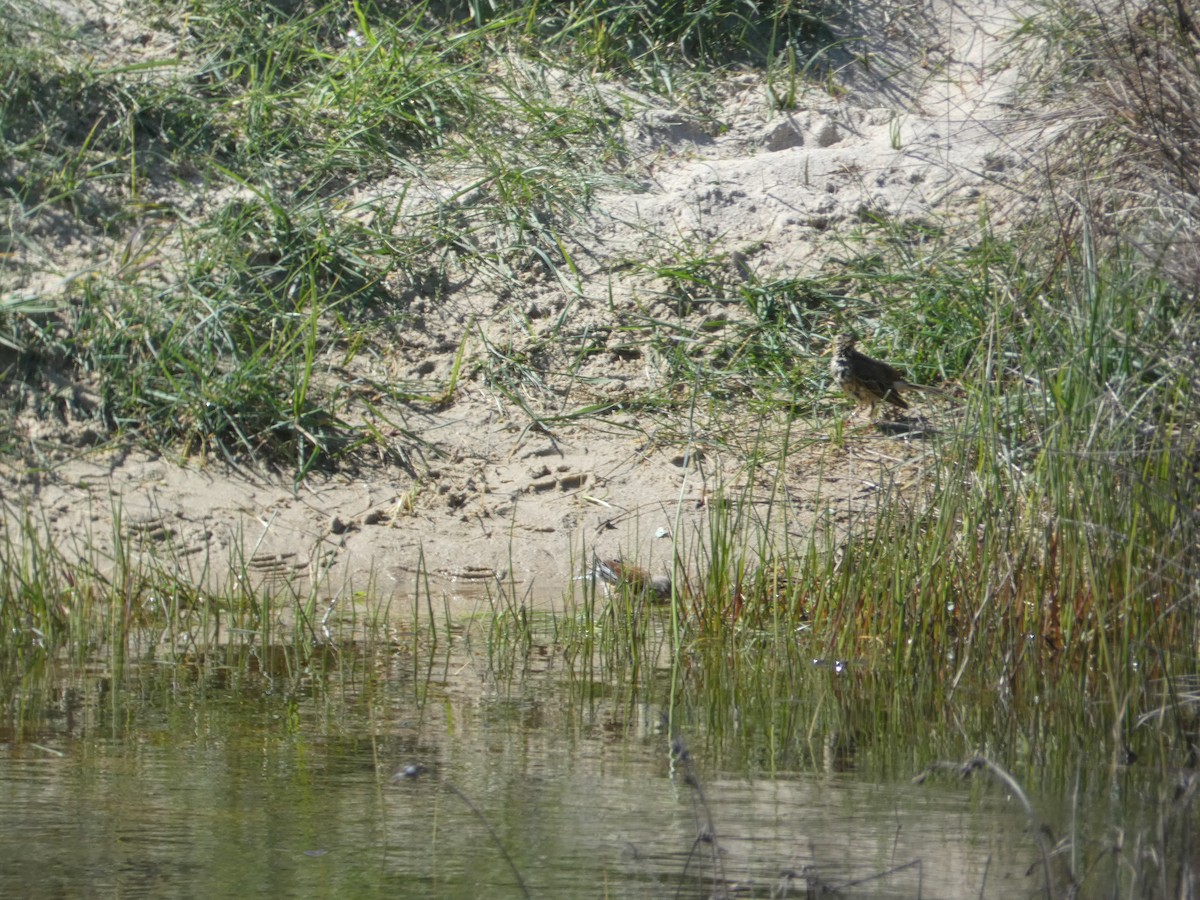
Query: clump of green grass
(312, 91)
(657, 36)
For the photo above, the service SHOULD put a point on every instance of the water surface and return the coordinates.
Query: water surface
(258, 774)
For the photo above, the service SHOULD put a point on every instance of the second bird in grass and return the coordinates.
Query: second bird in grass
(617, 572)
(868, 380)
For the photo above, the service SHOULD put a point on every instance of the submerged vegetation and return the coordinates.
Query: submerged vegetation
(1026, 589)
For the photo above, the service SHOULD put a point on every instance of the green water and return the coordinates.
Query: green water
(244, 775)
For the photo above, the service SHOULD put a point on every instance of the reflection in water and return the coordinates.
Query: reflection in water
(226, 778)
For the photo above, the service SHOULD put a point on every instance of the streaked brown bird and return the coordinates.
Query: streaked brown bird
(868, 380)
(617, 572)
